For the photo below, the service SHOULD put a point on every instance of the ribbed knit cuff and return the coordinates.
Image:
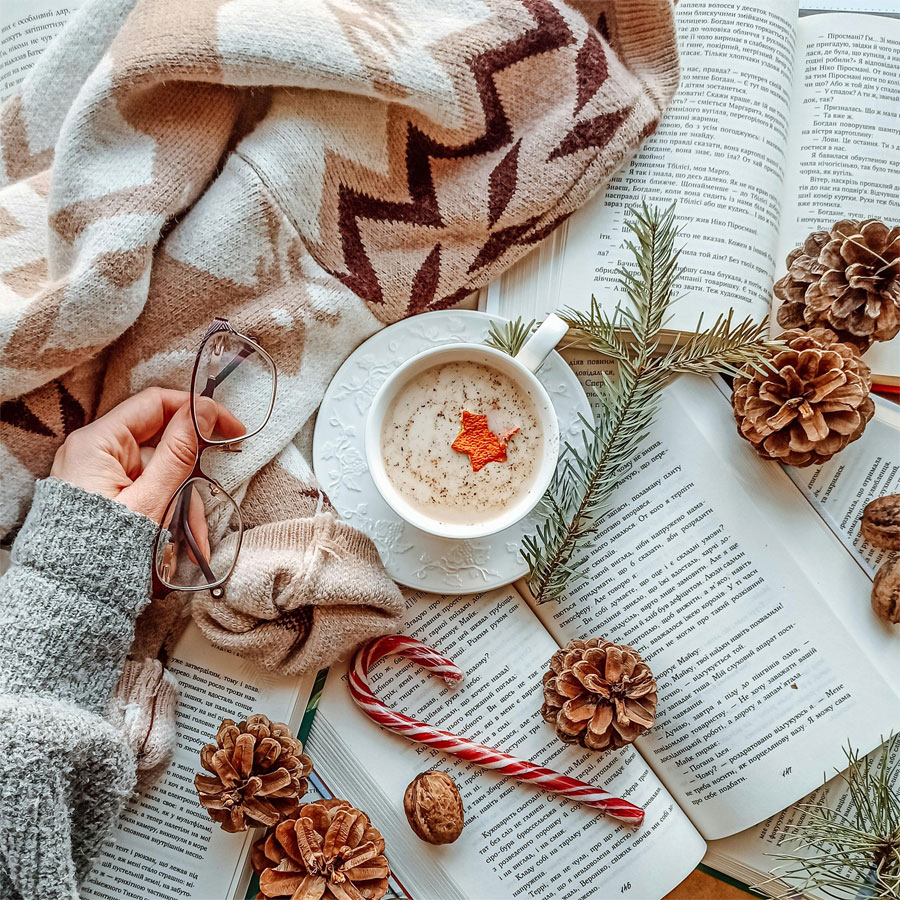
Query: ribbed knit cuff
(88, 543)
(79, 575)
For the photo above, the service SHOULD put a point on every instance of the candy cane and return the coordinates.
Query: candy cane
(486, 757)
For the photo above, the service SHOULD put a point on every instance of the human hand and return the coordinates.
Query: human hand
(141, 451)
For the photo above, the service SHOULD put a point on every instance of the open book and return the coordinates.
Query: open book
(743, 587)
(165, 844)
(781, 126)
(26, 28)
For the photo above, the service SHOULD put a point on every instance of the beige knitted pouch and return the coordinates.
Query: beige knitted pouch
(307, 588)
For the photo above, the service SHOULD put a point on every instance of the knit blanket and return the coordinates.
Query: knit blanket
(311, 171)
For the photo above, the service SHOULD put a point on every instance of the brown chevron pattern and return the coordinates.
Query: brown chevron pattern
(423, 152)
(502, 183)
(591, 69)
(17, 414)
(425, 283)
(312, 176)
(64, 412)
(549, 33)
(594, 132)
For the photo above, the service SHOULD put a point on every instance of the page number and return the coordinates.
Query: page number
(625, 887)
(786, 772)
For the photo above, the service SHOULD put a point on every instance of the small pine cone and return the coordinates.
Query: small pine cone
(258, 774)
(812, 403)
(330, 851)
(599, 694)
(846, 279)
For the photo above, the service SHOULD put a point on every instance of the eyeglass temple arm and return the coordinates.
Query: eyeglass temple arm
(182, 514)
(183, 509)
(213, 381)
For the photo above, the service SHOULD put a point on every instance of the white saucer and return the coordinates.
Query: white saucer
(412, 557)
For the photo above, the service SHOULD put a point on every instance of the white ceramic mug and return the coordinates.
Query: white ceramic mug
(520, 369)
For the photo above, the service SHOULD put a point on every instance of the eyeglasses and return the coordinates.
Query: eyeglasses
(236, 373)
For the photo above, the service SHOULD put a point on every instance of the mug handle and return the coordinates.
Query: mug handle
(536, 348)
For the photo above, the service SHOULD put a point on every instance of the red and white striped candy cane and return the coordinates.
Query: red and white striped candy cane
(399, 645)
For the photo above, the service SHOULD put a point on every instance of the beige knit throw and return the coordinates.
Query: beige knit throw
(311, 171)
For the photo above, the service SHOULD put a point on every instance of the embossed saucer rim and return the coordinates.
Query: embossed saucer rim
(412, 557)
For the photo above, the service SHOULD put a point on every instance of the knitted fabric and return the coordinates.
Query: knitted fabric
(79, 575)
(144, 707)
(311, 172)
(146, 697)
(308, 588)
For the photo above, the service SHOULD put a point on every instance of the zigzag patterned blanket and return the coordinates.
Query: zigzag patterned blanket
(309, 170)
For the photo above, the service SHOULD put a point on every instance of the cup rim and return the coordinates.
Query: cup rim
(512, 514)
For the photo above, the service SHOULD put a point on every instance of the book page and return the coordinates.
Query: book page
(165, 844)
(719, 154)
(749, 854)
(519, 841)
(716, 569)
(845, 136)
(882, 6)
(26, 27)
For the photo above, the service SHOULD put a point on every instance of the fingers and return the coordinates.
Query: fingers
(215, 422)
(175, 454)
(146, 413)
(171, 463)
(198, 526)
(143, 481)
(146, 455)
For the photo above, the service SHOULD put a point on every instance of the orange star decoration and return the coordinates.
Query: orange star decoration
(482, 445)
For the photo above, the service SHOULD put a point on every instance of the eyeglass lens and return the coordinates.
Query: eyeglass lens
(231, 371)
(195, 552)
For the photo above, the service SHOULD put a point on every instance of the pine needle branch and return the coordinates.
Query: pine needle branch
(649, 290)
(588, 473)
(724, 348)
(509, 337)
(851, 853)
(585, 478)
(595, 330)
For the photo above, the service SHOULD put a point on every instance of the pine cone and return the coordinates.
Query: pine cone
(330, 851)
(599, 694)
(846, 279)
(814, 403)
(258, 774)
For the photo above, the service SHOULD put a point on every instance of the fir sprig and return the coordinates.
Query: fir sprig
(509, 337)
(723, 348)
(587, 474)
(854, 853)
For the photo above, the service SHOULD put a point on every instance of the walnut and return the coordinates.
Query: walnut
(434, 807)
(886, 590)
(880, 523)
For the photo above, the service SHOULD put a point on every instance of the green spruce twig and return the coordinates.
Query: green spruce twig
(509, 337)
(722, 349)
(587, 474)
(597, 331)
(852, 853)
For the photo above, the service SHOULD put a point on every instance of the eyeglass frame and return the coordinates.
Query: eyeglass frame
(232, 445)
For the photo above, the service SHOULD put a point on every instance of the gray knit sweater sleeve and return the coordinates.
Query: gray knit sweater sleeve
(79, 576)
